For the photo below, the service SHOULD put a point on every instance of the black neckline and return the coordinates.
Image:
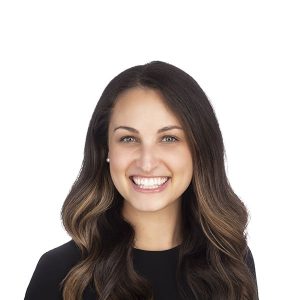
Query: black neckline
(156, 251)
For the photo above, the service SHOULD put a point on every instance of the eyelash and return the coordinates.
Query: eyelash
(166, 136)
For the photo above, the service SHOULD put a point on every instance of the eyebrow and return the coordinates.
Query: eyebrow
(166, 128)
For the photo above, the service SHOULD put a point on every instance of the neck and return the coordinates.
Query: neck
(155, 230)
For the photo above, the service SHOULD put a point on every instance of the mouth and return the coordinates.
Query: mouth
(149, 183)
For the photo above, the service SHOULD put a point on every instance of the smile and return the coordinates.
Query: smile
(149, 183)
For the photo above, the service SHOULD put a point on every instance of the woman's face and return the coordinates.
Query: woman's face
(144, 153)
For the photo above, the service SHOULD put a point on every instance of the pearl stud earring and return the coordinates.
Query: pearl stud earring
(107, 160)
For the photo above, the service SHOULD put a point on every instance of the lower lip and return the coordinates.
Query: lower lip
(156, 190)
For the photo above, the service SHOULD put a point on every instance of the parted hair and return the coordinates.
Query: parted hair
(211, 261)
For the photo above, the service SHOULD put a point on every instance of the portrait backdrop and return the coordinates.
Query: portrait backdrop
(57, 57)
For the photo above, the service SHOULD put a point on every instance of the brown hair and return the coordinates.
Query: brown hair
(211, 261)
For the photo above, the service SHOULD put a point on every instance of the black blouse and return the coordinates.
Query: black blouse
(159, 267)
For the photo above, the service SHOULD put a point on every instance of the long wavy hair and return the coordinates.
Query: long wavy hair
(211, 262)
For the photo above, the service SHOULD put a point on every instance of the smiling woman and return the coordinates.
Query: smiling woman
(151, 214)
(150, 170)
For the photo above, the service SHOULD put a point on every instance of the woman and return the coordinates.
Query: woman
(151, 214)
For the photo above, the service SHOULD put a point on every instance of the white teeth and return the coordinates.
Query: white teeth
(149, 182)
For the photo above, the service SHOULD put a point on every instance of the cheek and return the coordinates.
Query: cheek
(180, 159)
(119, 161)
(117, 172)
(183, 164)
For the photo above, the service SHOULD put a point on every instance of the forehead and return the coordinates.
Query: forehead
(142, 105)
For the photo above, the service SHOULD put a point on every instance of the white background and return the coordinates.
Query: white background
(58, 56)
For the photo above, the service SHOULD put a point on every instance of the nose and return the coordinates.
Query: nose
(147, 159)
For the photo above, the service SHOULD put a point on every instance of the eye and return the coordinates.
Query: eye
(170, 139)
(127, 139)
